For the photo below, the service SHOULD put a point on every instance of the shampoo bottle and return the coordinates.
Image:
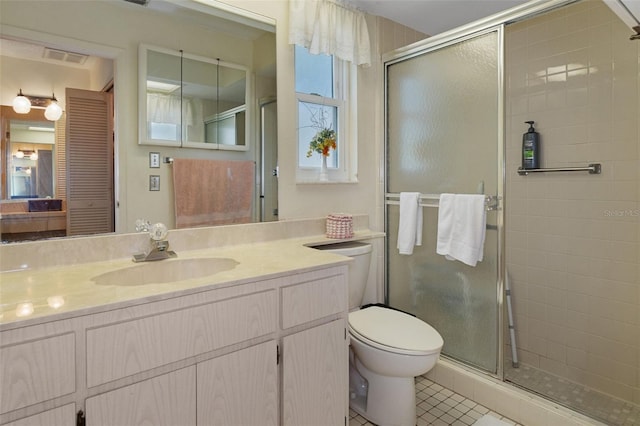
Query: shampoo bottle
(531, 148)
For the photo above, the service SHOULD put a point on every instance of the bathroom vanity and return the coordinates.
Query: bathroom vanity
(263, 342)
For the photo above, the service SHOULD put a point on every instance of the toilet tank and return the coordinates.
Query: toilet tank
(358, 269)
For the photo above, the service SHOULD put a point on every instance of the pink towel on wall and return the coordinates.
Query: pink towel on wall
(212, 192)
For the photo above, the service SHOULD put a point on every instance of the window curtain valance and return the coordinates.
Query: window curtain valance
(330, 27)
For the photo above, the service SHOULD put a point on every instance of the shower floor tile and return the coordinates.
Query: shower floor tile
(607, 409)
(437, 406)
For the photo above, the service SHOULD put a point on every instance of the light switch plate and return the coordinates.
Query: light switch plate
(154, 160)
(154, 183)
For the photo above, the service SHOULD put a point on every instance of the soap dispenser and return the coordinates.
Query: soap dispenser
(531, 148)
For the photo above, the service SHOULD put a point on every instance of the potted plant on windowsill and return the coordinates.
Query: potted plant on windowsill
(322, 143)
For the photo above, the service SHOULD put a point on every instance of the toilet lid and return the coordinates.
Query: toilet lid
(395, 330)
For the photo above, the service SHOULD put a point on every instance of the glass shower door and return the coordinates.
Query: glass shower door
(444, 135)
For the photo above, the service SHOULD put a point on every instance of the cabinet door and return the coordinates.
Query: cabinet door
(315, 368)
(167, 400)
(239, 389)
(36, 371)
(61, 416)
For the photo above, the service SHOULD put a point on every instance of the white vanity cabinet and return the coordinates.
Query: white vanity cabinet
(262, 352)
(166, 400)
(315, 368)
(61, 416)
(315, 376)
(240, 388)
(38, 369)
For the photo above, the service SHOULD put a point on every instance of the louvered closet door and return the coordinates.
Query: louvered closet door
(90, 208)
(61, 158)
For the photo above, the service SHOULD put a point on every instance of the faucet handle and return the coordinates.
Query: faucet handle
(158, 232)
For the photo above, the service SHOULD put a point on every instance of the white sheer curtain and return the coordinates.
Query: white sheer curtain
(330, 27)
(163, 108)
(166, 109)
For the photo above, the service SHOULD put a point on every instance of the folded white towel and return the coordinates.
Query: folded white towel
(462, 224)
(410, 222)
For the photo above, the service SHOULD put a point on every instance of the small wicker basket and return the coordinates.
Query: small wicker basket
(339, 226)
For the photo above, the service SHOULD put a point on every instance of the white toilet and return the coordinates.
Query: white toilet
(389, 349)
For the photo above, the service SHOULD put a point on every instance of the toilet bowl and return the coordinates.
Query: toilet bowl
(389, 348)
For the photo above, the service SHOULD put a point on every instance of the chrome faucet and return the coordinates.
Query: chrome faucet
(159, 245)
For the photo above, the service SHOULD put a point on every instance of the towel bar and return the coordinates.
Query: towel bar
(593, 169)
(492, 201)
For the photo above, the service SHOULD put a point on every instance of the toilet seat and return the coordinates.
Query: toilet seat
(394, 331)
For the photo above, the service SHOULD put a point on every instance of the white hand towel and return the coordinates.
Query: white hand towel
(445, 223)
(462, 225)
(410, 222)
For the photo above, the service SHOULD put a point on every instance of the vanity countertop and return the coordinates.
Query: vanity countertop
(33, 296)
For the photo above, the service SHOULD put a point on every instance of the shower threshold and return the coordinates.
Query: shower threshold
(600, 406)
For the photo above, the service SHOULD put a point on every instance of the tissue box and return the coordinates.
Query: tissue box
(339, 226)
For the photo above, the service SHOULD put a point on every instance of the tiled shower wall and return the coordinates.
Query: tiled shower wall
(572, 239)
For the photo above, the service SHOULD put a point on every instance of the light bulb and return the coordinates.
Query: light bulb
(53, 111)
(33, 156)
(19, 154)
(21, 104)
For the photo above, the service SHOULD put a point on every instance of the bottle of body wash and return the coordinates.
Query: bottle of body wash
(531, 148)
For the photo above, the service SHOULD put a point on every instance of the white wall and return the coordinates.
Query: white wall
(39, 79)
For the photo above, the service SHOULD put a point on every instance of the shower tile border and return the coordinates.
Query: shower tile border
(510, 401)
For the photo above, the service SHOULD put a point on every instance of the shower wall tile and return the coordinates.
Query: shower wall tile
(573, 239)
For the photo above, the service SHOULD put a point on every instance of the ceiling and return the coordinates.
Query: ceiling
(434, 16)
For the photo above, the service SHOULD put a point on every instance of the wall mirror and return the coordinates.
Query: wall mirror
(192, 101)
(30, 159)
(201, 31)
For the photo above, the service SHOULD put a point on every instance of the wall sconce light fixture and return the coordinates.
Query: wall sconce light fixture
(22, 104)
(53, 112)
(26, 153)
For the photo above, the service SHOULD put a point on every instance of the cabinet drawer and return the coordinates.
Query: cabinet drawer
(313, 300)
(37, 371)
(119, 350)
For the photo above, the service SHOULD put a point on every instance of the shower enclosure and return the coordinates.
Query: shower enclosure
(568, 242)
(444, 130)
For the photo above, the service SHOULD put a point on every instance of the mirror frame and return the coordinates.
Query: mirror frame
(142, 101)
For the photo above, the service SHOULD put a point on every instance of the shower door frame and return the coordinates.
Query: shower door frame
(493, 23)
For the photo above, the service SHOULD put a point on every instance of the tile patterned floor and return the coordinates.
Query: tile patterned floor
(438, 406)
(609, 410)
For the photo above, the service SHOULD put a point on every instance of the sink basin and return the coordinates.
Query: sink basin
(165, 271)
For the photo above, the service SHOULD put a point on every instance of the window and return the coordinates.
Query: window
(322, 94)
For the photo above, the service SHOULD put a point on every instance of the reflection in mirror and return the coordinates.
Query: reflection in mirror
(192, 101)
(109, 62)
(163, 96)
(31, 207)
(30, 168)
(39, 197)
